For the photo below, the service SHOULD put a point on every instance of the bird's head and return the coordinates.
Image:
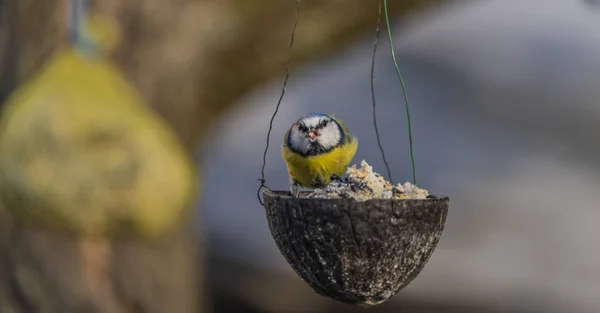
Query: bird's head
(315, 133)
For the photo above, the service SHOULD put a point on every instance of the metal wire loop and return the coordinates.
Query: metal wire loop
(261, 188)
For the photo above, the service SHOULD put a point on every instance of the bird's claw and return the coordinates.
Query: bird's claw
(334, 177)
(295, 190)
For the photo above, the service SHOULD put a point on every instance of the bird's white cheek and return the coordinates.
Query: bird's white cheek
(329, 138)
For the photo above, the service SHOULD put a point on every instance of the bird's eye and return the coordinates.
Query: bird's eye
(324, 123)
(301, 128)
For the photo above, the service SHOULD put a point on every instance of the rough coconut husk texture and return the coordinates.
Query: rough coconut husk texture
(363, 184)
(357, 252)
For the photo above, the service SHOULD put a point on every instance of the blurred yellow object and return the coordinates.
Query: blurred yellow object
(80, 151)
(104, 32)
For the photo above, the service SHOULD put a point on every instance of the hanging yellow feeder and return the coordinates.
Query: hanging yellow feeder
(80, 151)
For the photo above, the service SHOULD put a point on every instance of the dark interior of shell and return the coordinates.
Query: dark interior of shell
(357, 252)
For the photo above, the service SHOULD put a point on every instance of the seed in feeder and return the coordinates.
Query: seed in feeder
(363, 184)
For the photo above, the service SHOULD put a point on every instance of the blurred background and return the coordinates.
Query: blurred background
(506, 116)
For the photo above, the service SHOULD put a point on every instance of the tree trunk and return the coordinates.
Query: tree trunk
(191, 59)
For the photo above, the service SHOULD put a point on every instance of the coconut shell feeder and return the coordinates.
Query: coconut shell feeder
(356, 250)
(359, 253)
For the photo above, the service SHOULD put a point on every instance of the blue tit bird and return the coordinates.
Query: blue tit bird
(317, 149)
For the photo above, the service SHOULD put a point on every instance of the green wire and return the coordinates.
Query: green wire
(412, 157)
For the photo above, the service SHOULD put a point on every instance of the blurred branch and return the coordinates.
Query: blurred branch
(191, 59)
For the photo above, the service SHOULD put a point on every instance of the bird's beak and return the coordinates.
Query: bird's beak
(312, 134)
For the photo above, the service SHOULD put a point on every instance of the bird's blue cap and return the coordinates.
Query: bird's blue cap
(315, 114)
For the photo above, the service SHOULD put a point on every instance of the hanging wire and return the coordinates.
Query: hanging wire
(412, 157)
(387, 166)
(263, 181)
(80, 39)
(74, 20)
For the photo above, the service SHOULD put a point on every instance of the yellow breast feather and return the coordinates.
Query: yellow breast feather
(315, 171)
